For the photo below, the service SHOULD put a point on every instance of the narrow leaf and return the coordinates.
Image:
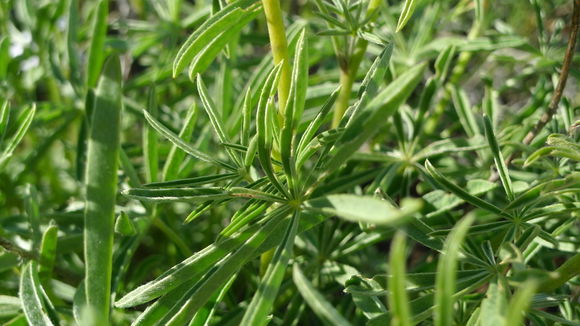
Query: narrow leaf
(192, 267)
(206, 286)
(321, 307)
(464, 111)
(177, 194)
(317, 122)
(214, 116)
(183, 145)
(498, 158)
(263, 300)
(398, 298)
(202, 61)
(263, 129)
(101, 190)
(47, 253)
(33, 297)
(193, 181)
(175, 157)
(447, 273)
(363, 208)
(97, 47)
(450, 186)
(4, 118)
(150, 141)
(493, 307)
(207, 32)
(406, 13)
(17, 137)
(520, 303)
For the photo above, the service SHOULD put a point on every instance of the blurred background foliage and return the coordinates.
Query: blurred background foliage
(512, 54)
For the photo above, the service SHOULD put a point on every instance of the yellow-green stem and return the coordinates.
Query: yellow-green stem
(349, 68)
(564, 273)
(346, 81)
(277, 34)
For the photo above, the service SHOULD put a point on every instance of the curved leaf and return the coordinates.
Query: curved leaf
(363, 208)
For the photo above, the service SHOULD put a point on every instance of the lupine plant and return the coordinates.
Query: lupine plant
(267, 162)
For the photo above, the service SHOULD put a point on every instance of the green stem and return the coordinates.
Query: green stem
(349, 68)
(277, 34)
(563, 274)
(346, 82)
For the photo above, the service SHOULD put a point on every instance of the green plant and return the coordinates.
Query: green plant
(252, 162)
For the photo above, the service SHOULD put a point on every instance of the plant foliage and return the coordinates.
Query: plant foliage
(322, 162)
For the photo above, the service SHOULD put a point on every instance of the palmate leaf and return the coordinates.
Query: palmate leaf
(176, 281)
(196, 295)
(199, 263)
(370, 84)
(559, 145)
(459, 192)
(421, 307)
(366, 122)
(443, 201)
(534, 194)
(425, 281)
